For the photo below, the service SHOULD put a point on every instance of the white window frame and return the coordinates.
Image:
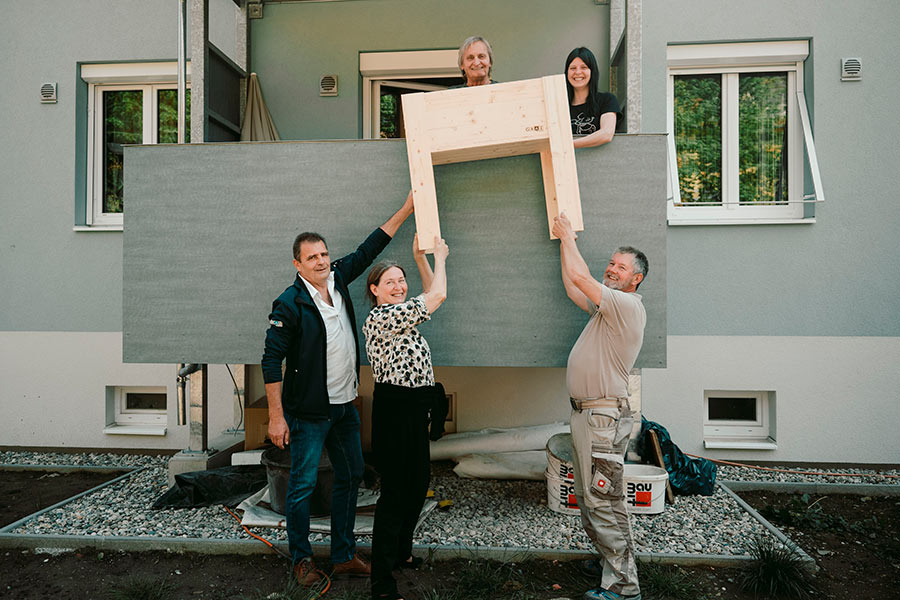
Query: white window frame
(733, 434)
(392, 68)
(730, 60)
(133, 416)
(147, 77)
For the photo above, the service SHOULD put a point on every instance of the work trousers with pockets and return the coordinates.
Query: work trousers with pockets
(400, 445)
(599, 440)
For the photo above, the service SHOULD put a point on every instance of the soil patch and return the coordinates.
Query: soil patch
(24, 492)
(855, 540)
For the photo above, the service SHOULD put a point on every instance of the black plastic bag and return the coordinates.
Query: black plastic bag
(226, 485)
(687, 475)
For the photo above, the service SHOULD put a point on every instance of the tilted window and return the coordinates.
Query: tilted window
(739, 134)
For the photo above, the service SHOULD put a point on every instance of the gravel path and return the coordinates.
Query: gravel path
(484, 512)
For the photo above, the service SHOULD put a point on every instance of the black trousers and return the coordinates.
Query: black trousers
(400, 444)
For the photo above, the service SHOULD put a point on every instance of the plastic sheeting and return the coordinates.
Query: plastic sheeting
(528, 464)
(493, 440)
(686, 475)
(226, 485)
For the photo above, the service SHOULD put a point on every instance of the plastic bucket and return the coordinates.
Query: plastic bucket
(278, 472)
(560, 456)
(645, 489)
(561, 495)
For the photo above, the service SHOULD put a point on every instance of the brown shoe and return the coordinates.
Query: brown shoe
(306, 573)
(355, 567)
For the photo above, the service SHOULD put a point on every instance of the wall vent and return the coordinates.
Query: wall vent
(48, 93)
(851, 69)
(254, 10)
(328, 85)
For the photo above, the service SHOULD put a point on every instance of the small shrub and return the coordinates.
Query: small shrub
(142, 587)
(776, 571)
(666, 582)
(799, 512)
(291, 590)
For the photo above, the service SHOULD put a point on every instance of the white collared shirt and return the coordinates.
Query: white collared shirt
(340, 348)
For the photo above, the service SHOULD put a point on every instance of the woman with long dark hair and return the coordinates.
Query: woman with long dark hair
(404, 392)
(594, 113)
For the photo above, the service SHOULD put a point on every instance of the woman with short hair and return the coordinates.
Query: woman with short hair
(404, 393)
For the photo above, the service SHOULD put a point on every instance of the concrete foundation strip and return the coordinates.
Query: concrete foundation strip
(52, 542)
(798, 487)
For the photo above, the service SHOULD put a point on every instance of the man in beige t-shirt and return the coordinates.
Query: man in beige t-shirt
(601, 420)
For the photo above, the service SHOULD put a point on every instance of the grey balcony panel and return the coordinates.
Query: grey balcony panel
(209, 228)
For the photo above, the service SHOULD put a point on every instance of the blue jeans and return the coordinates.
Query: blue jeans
(340, 436)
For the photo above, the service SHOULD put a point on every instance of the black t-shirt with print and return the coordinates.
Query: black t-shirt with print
(585, 121)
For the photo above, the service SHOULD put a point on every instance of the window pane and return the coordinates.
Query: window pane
(698, 137)
(391, 113)
(167, 123)
(732, 409)
(145, 401)
(762, 106)
(123, 123)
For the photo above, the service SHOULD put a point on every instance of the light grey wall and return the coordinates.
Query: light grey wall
(838, 277)
(207, 244)
(54, 392)
(56, 279)
(296, 43)
(837, 398)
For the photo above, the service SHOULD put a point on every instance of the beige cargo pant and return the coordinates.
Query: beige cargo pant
(600, 490)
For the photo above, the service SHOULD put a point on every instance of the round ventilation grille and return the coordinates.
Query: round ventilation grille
(328, 85)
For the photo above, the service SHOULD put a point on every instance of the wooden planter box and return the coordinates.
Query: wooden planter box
(491, 121)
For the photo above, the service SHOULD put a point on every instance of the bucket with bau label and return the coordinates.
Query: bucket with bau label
(645, 489)
(560, 457)
(561, 495)
(560, 475)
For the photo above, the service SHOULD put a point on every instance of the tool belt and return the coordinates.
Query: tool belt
(580, 404)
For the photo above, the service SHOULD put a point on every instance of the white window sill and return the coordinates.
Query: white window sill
(737, 443)
(159, 430)
(809, 221)
(116, 227)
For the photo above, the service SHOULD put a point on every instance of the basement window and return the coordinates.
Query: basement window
(739, 419)
(136, 410)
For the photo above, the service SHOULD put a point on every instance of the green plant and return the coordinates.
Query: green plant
(142, 587)
(666, 582)
(776, 571)
(291, 590)
(802, 513)
(483, 579)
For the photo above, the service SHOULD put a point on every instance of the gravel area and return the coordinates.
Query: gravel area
(484, 512)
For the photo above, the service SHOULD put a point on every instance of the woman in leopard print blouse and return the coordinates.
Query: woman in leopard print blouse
(404, 392)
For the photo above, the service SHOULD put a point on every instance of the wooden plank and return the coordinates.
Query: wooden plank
(487, 152)
(549, 189)
(421, 171)
(562, 152)
(495, 121)
(658, 457)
